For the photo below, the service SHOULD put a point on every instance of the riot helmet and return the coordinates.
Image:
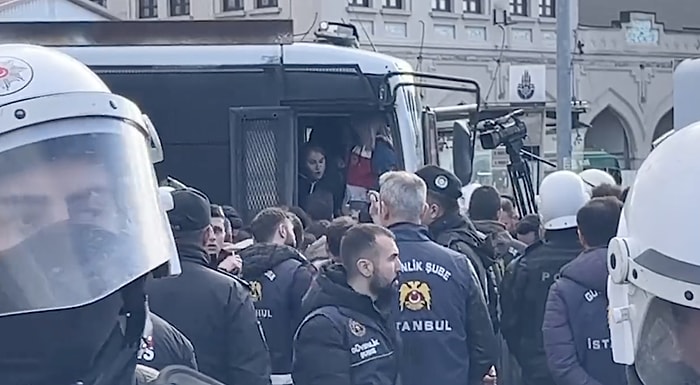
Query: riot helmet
(654, 282)
(81, 219)
(562, 194)
(594, 177)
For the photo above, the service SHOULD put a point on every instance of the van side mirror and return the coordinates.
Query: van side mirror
(462, 152)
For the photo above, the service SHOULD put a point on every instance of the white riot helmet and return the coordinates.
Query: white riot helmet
(76, 181)
(562, 194)
(594, 177)
(654, 265)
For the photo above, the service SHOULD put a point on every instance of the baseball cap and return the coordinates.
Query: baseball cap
(441, 181)
(191, 211)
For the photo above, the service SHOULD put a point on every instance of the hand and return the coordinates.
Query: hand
(233, 263)
(375, 205)
(491, 377)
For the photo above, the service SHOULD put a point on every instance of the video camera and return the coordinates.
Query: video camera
(506, 130)
(509, 131)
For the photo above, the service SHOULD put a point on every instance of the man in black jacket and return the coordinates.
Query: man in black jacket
(346, 337)
(442, 315)
(449, 228)
(163, 345)
(484, 211)
(279, 277)
(212, 308)
(527, 280)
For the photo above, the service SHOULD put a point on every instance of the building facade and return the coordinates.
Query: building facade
(623, 61)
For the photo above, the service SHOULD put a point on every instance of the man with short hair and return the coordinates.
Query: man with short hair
(346, 337)
(484, 211)
(575, 328)
(335, 233)
(273, 225)
(529, 229)
(443, 318)
(606, 190)
(212, 308)
(279, 277)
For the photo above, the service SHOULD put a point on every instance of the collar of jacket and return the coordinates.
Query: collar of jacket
(405, 231)
(449, 221)
(191, 252)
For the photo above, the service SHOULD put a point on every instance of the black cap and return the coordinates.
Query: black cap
(441, 181)
(192, 210)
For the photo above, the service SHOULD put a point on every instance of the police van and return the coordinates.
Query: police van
(234, 101)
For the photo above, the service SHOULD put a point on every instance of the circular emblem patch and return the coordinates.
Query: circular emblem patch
(441, 182)
(356, 328)
(15, 75)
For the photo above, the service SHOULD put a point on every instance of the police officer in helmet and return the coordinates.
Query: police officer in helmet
(82, 225)
(654, 266)
(527, 279)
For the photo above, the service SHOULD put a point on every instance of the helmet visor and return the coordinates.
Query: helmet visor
(79, 214)
(668, 346)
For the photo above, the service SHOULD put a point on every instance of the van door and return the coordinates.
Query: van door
(263, 158)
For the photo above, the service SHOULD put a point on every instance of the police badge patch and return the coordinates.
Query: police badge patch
(356, 328)
(441, 182)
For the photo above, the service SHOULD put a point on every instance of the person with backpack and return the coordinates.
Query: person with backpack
(455, 231)
(484, 211)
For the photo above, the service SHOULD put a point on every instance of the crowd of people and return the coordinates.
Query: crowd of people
(423, 290)
(417, 285)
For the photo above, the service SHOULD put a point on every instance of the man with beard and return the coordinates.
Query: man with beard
(279, 277)
(346, 337)
(443, 318)
(484, 211)
(211, 307)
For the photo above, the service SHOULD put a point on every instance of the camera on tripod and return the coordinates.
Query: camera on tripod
(506, 130)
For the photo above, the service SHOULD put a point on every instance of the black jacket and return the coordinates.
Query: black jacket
(523, 297)
(215, 311)
(163, 345)
(457, 233)
(280, 277)
(344, 339)
(443, 319)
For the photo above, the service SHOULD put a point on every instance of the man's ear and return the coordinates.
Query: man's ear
(365, 267)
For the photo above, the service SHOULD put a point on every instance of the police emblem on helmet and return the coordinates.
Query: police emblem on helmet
(414, 295)
(356, 328)
(441, 182)
(256, 290)
(15, 74)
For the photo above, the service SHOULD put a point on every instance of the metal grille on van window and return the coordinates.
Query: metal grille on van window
(261, 165)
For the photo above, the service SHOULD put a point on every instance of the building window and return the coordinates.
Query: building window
(100, 2)
(518, 7)
(266, 4)
(547, 8)
(359, 3)
(148, 9)
(179, 7)
(232, 5)
(472, 6)
(442, 5)
(393, 4)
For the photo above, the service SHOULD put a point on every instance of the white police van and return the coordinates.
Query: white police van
(234, 101)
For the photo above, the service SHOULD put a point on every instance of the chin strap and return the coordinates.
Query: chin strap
(110, 367)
